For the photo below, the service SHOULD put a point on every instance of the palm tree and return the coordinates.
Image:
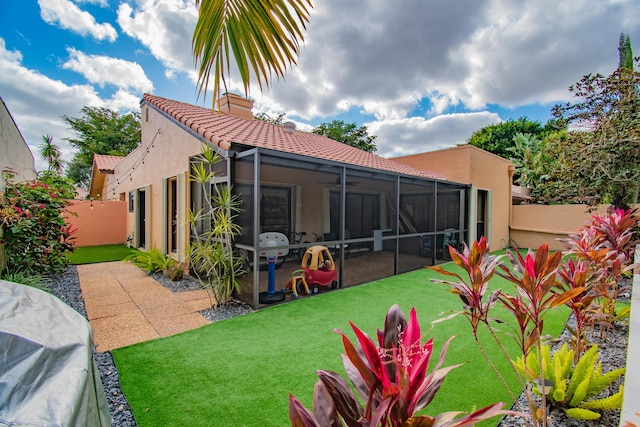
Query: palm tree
(264, 36)
(51, 153)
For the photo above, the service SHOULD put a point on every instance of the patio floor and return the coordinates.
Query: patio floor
(125, 306)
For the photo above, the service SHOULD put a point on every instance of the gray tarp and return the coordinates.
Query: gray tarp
(48, 376)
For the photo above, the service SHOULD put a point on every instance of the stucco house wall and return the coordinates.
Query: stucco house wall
(486, 172)
(162, 155)
(14, 151)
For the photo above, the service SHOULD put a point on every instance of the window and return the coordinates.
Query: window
(131, 204)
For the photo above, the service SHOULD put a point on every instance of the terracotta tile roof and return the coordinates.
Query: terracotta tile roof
(106, 164)
(223, 129)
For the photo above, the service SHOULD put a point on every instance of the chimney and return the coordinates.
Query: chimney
(236, 105)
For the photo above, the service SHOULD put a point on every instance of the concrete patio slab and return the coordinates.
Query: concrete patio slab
(109, 339)
(100, 311)
(126, 306)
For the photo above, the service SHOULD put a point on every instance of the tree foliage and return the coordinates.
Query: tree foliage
(275, 120)
(100, 131)
(625, 52)
(263, 37)
(600, 161)
(498, 138)
(349, 134)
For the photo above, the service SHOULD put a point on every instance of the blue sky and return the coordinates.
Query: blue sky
(420, 74)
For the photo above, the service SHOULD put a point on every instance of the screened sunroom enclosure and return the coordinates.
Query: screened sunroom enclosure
(376, 223)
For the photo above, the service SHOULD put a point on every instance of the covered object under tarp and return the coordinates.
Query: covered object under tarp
(48, 376)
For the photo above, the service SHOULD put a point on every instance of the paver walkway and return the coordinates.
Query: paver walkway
(125, 306)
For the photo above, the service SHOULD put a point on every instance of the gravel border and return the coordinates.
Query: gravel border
(232, 309)
(66, 286)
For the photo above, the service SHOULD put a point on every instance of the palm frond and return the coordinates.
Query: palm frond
(263, 35)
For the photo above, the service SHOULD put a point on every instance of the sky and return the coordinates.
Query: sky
(422, 75)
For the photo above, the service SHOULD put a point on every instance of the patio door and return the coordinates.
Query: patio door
(141, 223)
(482, 215)
(362, 214)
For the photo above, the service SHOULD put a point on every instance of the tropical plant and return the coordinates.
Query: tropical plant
(264, 38)
(51, 153)
(606, 244)
(575, 274)
(574, 389)
(530, 158)
(534, 276)
(33, 235)
(213, 256)
(174, 272)
(152, 261)
(480, 266)
(391, 378)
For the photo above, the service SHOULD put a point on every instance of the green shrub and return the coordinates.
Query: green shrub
(152, 261)
(32, 228)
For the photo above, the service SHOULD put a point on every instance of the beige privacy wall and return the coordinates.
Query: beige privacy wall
(532, 225)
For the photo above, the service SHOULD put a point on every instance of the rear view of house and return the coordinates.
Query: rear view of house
(380, 217)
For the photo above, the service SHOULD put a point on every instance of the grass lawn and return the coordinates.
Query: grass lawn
(240, 372)
(103, 253)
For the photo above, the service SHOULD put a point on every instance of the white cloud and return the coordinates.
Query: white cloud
(165, 27)
(399, 137)
(467, 53)
(37, 102)
(71, 17)
(107, 70)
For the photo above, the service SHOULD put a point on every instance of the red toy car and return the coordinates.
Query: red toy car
(319, 268)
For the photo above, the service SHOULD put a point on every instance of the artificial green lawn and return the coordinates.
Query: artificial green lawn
(103, 253)
(239, 372)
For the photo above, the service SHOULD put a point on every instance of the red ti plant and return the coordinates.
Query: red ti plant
(535, 280)
(617, 232)
(391, 378)
(480, 266)
(607, 243)
(573, 275)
